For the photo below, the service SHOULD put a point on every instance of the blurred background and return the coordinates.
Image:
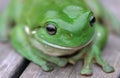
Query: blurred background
(3, 4)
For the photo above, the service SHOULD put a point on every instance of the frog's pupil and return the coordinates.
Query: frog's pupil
(51, 29)
(92, 20)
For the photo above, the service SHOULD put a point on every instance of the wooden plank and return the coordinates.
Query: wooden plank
(11, 63)
(111, 54)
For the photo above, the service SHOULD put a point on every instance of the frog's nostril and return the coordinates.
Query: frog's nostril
(70, 35)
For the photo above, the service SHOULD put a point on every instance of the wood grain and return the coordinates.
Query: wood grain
(11, 63)
(111, 54)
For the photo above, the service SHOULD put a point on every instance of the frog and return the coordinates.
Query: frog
(55, 32)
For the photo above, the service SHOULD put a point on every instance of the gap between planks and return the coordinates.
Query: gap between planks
(11, 63)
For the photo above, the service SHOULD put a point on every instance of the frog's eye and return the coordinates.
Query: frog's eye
(51, 29)
(92, 20)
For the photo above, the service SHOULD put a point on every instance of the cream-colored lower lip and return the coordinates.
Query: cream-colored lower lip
(68, 48)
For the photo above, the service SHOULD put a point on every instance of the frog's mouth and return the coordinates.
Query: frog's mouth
(56, 50)
(68, 48)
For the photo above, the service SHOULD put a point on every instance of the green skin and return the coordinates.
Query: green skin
(74, 35)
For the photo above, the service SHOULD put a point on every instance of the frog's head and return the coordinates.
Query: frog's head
(68, 29)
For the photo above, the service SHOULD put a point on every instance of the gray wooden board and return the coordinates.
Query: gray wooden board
(111, 53)
(10, 62)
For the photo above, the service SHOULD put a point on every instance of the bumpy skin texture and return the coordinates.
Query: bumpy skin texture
(74, 34)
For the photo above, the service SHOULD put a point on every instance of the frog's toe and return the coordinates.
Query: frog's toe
(47, 67)
(63, 62)
(108, 69)
(86, 72)
(71, 61)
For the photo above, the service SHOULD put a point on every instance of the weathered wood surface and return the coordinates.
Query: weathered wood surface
(10, 62)
(111, 53)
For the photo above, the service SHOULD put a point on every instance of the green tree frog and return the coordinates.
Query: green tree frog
(55, 31)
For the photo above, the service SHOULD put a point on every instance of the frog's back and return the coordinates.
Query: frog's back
(33, 11)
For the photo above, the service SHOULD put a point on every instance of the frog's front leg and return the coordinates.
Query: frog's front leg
(21, 42)
(99, 42)
(87, 54)
(95, 54)
(88, 61)
(98, 58)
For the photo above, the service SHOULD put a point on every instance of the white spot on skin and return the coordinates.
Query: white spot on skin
(27, 30)
(99, 34)
(33, 32)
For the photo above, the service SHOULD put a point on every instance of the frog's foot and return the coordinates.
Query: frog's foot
(108, 69)
(47, 68)
(44, 65)
(105, 66)
(61, 62)
(86, 71)
(77, 57)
